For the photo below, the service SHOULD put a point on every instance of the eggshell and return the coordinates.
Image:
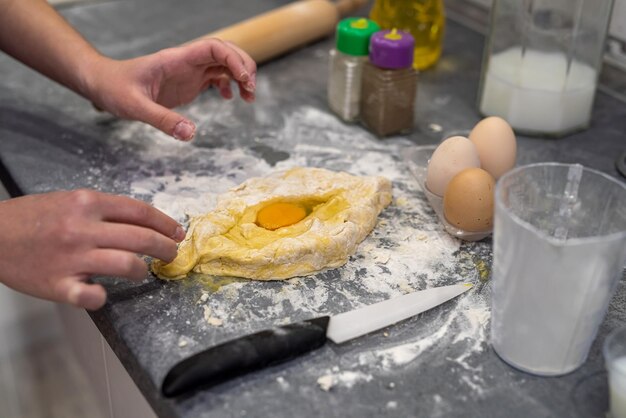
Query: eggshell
(468, 201)
(451, 156)
(497, 148)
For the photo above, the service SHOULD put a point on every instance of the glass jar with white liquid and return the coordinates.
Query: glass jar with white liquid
(541, 63)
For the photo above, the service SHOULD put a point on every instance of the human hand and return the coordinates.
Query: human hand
(146, 88)
(52, 243)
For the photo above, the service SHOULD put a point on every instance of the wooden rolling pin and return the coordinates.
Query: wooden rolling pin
(280, 30)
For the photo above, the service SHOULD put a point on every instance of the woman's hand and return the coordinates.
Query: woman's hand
(146, 88)
(52, 243)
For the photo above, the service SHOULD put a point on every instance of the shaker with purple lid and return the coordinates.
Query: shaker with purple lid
(389, 84)
(392, 49)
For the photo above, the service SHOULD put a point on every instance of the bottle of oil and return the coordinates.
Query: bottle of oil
(389, 84)
(346, 64)
(424, 19)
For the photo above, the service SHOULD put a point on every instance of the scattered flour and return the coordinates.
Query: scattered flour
(392, 405)
(284, 385)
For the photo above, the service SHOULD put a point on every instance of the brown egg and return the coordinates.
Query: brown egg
(497, 148)
(468, 201)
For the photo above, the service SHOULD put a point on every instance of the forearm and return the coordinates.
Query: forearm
(34, 33)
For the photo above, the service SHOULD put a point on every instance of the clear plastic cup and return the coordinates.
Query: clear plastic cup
(615, 358)
(559, 251)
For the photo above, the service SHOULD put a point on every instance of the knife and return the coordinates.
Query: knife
(269, 347)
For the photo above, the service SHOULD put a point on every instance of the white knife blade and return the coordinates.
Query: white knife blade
(353, 324)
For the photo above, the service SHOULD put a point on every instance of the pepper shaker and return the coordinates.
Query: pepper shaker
(389, 84)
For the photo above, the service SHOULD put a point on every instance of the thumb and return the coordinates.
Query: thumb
(166, 120)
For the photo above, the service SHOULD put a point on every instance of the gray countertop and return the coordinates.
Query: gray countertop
(436, 364)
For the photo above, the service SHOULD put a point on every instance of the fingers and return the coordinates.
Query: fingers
(101, 262)
(248, 63)
(218, 76)
(223, 85)
(134, 239)
(106, 262)
(246, 89)
(123, 209)
(75, 291)
(208, 52)
(214, 51)
(166, 120)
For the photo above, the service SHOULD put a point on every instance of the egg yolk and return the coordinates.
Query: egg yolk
(280, 214)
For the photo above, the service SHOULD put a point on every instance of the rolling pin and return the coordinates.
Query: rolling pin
(280, 30)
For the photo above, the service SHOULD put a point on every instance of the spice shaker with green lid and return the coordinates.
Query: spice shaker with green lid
(346, 64)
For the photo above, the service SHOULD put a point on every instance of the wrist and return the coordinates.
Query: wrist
(88, 75)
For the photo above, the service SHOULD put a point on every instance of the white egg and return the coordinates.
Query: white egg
(452, 156)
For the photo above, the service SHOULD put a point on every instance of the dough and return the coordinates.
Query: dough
(312, 219)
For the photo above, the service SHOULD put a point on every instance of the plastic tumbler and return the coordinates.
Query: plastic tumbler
(559, 251)
(615, 358)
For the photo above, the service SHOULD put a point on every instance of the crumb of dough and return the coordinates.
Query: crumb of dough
(182, 343)
(207, 312)
(203, 298)
(216, 322)
(210, 319)
(325, 382)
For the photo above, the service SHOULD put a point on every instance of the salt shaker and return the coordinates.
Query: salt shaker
(346, 65)
(389, 84)
(541, 63)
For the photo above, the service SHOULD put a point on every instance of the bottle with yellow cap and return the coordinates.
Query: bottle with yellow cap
(346, 64)
(424, 19)
(389, 84)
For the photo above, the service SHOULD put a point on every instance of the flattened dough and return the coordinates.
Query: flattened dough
(342, 210)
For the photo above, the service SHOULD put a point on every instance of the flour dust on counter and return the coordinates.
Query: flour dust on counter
(408, 250)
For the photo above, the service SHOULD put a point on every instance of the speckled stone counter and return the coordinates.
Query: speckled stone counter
(436, 364)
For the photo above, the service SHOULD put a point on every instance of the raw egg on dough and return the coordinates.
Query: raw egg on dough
(451, 157)
(286, 224)
(495, 141)
(468, 201)
(280, 214)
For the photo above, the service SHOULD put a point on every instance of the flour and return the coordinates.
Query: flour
(284, 385)
(471, 321)
(345, 379)
(407, 251)
(392, 405)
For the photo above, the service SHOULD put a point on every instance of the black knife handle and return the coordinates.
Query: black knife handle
(243, 355)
